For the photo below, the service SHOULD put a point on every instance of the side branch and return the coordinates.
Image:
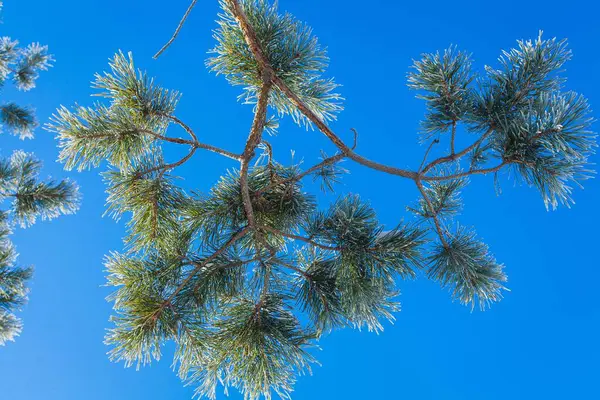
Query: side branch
(237, 236)
(434, 216)
(299, 177)
(196, 143)
(166, 167)
(453, 138)
(483, 171)
(436, 141)
(170, 42)
(335, 139)
(300, 238)
(455, 156)
(168, 139)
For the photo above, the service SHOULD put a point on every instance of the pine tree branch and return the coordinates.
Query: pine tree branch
(232, 240)
(483, 171)
(187, 13)
(456, 156)
(250, 37)
(252, 41)
(201, 145)
(267, 70)
(294, 268)
(300, 238)
(254, 138)
(220, 267)
(453, 138)
(167, 167)
(299, 177)
(433, 212)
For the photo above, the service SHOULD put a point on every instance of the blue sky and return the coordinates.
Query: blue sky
(541, 341)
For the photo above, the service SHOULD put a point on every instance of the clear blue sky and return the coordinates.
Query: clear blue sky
(540, 342)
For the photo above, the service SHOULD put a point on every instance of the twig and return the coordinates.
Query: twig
(199, 144)
(427, 153)
(456, 156)
(166, 167)
(325, 162)
(300, 238)
(225, 266)
(483, 171)
(433, 213)
(187, 13)
(453, 138)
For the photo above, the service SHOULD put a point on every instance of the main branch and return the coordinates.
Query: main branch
(258, 125)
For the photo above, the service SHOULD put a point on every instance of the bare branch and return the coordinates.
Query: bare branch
(199, 144)
(436, 141)
(182, 124)
(167, 167)
(187, 13)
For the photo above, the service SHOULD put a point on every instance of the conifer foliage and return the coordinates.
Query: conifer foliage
(26, 197)
(244, 278)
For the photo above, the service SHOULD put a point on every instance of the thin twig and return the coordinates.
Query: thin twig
(199, 144)
(167, 167)
(187, 13)
(182, 124)
(483, 171)
(453, 137)
(225, 266)
(293, 268)
(300, 238)
(456, 156)
(427, 153)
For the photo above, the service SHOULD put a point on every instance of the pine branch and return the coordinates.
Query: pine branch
(300, 238)
(200, 145)
(237, 236)
(253, 43)
(456, 156)
(483, 171)
(453, 138)
(433, 212)
(230, 312)
(253, 141)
